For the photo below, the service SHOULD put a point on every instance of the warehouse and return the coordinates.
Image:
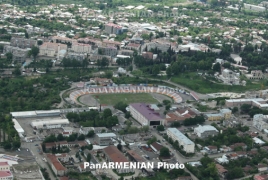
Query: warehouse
(50, 124)
(185, 142)
(29, 114)
(18, 128)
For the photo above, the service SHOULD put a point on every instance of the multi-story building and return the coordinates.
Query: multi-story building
(214, 117)
(258, 102)
(22, 42)
(230, 77)
(260, 121)
(51, 49)
(4, 166)
(6, 175)
(76, 56)
(256, 74)
(185, 142)
(105, 139)
(81, 48)
(227, 113)
(112, 28)
(18, 54)
(145, 115)
(108, 51)
(205, 131)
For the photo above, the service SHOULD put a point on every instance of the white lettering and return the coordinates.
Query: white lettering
(86, 164)
(182, 166)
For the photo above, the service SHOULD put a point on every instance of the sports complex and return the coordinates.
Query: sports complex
(128, 89)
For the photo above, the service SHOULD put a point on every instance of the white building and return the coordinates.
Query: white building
(230, 77)
(258, 141)
(260, 121)
(18, 128)
(81, 48)
(105, 139)
(50, 124)
(205, 131)
(176, 135)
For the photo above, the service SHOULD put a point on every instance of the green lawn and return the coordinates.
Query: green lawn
(112, 99)
(199, 84)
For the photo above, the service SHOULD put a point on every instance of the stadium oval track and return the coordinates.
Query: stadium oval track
(171, 92)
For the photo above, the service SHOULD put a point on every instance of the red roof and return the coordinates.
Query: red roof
(58, 166)
(5, 174)
(114, 154)
(3, 163)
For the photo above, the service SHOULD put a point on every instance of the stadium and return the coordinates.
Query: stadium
(127, 89)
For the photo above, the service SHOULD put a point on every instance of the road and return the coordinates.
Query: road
(39, 158)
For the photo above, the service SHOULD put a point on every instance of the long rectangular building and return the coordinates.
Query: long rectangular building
(145, 115)
(257, 102)
(185, 142)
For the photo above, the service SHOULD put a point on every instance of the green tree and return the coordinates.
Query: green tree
(160, 128)
(90, 133)
(119, 147)
(34, 52)
(217, 67)
(107, 113)
(155, 70)
(164, 152)
(60, 137)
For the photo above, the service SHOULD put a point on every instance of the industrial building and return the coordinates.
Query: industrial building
(29, 114)
(205, 131)
(185, 142)
(260, 121)
(105, 139)
(50, 124)
(145, 115)
(18, 128)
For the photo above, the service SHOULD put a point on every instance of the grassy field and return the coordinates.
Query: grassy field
(199, 84)
(112, 99)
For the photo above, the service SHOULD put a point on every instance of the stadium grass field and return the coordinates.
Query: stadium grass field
(112, 99)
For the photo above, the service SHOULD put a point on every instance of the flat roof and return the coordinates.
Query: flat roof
(180, 136)
(106, 135)
(204, 128)
(50, 122)
(144, 110)
(17, 126)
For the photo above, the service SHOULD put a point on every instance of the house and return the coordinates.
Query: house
(156, 147)
(173, 117)
(262, 167)
(112, 154)
(232, 156)
(261, 177)
(56, 165)
(221, 170)
(211, 149)
(205, 131)
(237, 145)
(82, 168)
(147, 55)
(222, 160)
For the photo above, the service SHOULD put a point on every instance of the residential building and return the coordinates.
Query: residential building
(214, 117)
(107, 43)
(108, 51)
(255, 74)
(60, 39)
(260, 121)
(22, 42)
(257, 102)
(126, 52)
(261, 177)
(258, 141)
(222, 160)
(156, 147)
(112, 154)
(51, 49)
(262, 167)
(148, 55)
(4, 166)
(112, 28)
(145, 115)
(132, 46)
(6, 175)
(18, 54)
(238, 145)
(76, 56)
(95, 57)
(81, 48)
(205, 131)
(105, 139)
(185, 142)
(56, 165)
(221, 170)
(160, 46)
(211, 149)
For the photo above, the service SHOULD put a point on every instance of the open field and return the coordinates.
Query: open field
(112, 99)
(201, 85)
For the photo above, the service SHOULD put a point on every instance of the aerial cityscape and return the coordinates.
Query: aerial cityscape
(134, 90)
